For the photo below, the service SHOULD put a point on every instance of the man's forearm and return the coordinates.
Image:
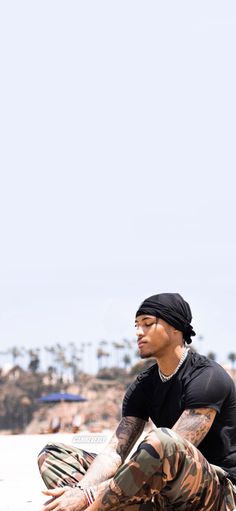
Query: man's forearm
(102, 469)
(107, 496)
(108, 461)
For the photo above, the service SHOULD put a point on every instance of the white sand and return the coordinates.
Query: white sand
(20, 482)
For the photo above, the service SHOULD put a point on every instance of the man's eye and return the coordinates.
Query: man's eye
(145, 325)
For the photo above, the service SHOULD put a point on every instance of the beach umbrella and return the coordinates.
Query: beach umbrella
(59, 397)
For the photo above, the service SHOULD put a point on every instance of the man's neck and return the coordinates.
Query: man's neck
(168, 363)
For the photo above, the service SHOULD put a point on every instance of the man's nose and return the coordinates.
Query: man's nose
(139, 331)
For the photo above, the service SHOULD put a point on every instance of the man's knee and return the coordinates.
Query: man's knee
(43, 455)
(41, 458)
(164, 441)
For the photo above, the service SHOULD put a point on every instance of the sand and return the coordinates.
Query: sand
(20, 482)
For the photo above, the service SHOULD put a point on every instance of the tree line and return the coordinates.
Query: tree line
(73, 359)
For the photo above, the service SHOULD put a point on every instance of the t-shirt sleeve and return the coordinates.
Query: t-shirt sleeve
(207, 390)
(134, 402)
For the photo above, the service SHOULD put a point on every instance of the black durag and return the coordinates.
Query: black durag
(173, 309)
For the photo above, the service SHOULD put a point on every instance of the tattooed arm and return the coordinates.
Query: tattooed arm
(194, 424)
(114, 454)
(98, 476)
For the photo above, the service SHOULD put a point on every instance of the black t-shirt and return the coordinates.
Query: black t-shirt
(199, 383)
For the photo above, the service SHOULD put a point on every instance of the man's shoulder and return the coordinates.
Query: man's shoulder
(201, 364)
(202, 361)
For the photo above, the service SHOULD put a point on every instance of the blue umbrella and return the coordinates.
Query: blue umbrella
(61, 396)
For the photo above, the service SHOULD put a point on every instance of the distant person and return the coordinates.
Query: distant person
(188, 461)
(55, 425)
(76, 423)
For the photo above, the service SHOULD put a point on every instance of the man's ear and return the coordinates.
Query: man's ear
(179, 334)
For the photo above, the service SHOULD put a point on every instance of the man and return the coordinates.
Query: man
(188, 461)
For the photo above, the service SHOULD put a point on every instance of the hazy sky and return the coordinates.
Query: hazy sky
(118, 131)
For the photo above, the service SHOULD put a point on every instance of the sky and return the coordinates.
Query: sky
(117, 162)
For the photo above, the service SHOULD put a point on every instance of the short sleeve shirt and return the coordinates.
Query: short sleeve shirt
(199, 383)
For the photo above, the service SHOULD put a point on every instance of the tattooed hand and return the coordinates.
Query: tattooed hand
(65, 499)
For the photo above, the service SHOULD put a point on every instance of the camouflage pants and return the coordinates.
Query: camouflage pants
(166, 472)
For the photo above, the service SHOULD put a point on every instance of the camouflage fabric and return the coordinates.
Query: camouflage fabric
(62, 465)
(166, 472)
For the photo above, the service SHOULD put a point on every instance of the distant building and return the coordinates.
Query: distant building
(12, 373)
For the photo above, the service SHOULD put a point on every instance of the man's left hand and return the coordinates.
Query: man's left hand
(65, 499)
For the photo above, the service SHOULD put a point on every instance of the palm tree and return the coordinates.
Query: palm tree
(51, 372)
(15, 353)
(232, 358)
(126, 360)
(88, 350)
(106, 355)
(74, 360)
(34, 360)
(118, 346)
(211, 355)
(51, 350)
(60, 358)
(100, 355)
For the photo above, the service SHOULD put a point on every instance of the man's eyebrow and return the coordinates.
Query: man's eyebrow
(145, 317)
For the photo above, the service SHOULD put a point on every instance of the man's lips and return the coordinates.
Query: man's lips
(141, 343)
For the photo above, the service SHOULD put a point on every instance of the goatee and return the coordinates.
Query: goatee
(146, 355)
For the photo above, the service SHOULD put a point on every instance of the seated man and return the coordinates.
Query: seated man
(188, 461)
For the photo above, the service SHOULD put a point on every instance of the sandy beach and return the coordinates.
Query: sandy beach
(20, 482)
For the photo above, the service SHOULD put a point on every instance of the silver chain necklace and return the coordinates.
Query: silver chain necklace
(167, 378)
